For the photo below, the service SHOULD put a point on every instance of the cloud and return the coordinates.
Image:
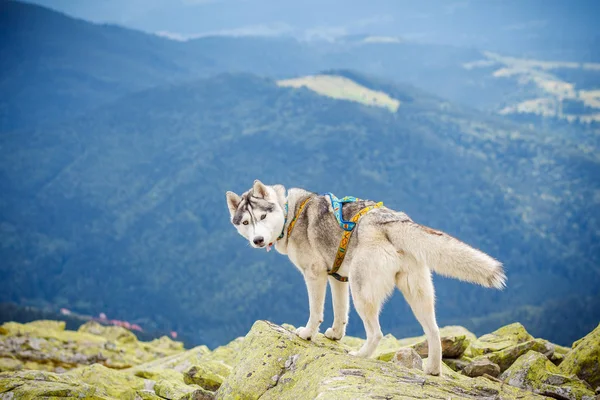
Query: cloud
(275, 29)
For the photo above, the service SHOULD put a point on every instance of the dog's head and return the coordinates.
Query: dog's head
(258, 214)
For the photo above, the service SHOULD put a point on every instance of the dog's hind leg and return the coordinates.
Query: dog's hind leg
(341, 303)
(417, 287)
(369, 313)
(371, 281)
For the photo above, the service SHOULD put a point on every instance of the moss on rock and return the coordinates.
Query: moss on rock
(209, 375)
(276, 364)
(533, 371)
(25, 385)
(584, 359)
(455, 340)
(46, 345)
(505, 337)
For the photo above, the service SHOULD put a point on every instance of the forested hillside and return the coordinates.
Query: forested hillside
(123, 210)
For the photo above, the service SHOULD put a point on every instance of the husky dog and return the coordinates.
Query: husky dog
(386, 250)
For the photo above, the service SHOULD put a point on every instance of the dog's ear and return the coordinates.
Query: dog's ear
(260, 189)
(280, 191)
(233, 201)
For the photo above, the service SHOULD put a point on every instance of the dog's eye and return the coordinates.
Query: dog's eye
(245, 222)
(263, 216)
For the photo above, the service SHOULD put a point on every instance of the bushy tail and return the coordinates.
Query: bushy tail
(448, 256)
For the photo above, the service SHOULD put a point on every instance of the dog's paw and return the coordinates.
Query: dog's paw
(305, 333)
(433, 368)
(359, 353)
(334, 334)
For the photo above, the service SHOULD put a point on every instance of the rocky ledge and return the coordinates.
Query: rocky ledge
(43, 360)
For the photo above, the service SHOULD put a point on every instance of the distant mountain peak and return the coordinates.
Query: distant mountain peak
(342, 88)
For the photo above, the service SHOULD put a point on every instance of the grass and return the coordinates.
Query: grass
(341, 88)
(552, 89)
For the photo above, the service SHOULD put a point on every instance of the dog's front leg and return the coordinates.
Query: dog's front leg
(316, 284)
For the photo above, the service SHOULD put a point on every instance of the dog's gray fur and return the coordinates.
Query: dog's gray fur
(387, 250)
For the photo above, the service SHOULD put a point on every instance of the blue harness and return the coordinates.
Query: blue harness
(337, 205)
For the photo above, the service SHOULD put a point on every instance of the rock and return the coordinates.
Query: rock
(174, 390)
(113, 383)
(455, 340)
(45, 385)
(46, 345)
(505, 337)
(408, 358)
(533, 371)
(506, 357)
(10, 364)
(49, 325)
(277, 364)
(506, 344)
(228, 353)
(584, 359)
(208, 375)
(113, 333)
(165, 342)
(274, 363)
(179, 362)
(457, 364)
(481, 367)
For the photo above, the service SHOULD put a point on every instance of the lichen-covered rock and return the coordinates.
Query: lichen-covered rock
(408, 358)
(277, 364)
(208, 375)
(533, 371)
(114, 333)
(46, 345)
(584, 359)
(505, 337)
(481, 367)
(457, 364)
(25, 385)
(113, 383)
(179, 362)
(228, 353)
(49, 325)
(10, 364)
(506, 357)
(175, 390)
(455, 340)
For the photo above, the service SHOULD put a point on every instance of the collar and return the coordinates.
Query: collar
(284, 222)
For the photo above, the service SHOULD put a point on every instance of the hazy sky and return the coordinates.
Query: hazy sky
(479, 23)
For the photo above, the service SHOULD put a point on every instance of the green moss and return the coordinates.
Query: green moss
(533, 371)
(26, 385)
(507, 336)
(584, 359)
(279, 365)
(209, 375)
(114, 383)
(46, 345)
